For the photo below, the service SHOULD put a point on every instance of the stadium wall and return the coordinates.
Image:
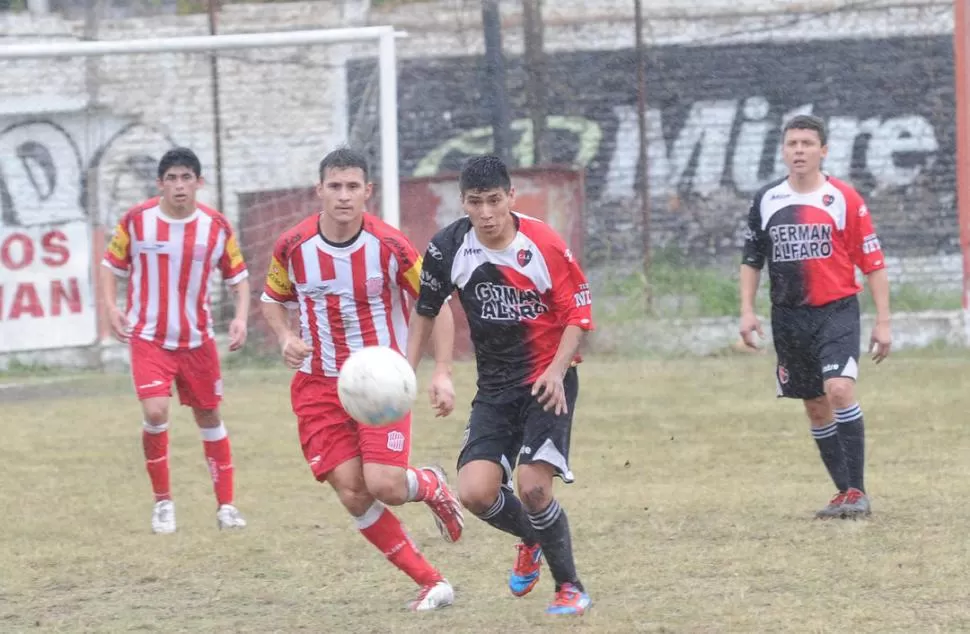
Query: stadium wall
(722, 76)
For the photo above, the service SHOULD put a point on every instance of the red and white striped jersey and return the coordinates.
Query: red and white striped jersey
(349, 295)
(168, 262)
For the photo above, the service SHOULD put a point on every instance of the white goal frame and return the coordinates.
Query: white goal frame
(387, 68)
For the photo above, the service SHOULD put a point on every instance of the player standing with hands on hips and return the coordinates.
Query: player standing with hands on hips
(814, 230)
(347, 274)
(528, 309)
(167, 247)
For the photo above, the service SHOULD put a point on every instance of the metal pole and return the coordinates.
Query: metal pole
(495, 70)
(216, 109)
(390, 178)
(536, 73)
(642, 166)
(961, 50)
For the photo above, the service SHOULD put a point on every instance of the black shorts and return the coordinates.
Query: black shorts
(815, 343)
(512, 429)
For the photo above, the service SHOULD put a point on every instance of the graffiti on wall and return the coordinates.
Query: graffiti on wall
(713, 128)
(63, 179)
(56, 169)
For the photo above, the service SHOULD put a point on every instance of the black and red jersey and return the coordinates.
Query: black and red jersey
(518, 301)
(812, 242)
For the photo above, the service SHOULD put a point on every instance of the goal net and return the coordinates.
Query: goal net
(83, 125)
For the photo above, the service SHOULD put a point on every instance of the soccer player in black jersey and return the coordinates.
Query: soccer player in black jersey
(528, 308)
(813, 231)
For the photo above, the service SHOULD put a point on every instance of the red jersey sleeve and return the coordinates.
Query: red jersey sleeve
(860, 235)
(571, 297)
(117, 255)
(279, 286)
(231, 264)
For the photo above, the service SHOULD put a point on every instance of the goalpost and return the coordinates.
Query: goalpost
(387, 67)
(83, 123)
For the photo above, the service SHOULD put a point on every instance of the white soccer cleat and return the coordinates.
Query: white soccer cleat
(229, 517)
(163, 517)
(433, 597)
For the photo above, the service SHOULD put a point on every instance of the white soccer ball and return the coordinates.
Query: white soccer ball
(377, 386)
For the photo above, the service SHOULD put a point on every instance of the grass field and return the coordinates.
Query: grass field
(692, 512)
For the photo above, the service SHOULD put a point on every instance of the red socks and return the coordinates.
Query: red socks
(218, 454)
(384, 530)
(154, 440)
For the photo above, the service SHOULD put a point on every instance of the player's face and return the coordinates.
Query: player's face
(344, 192)
(490, 211)
(178, 186)
(803, 152)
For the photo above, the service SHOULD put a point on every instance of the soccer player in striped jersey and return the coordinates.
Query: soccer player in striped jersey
(813, 231)
(349, 276)
(168, 247)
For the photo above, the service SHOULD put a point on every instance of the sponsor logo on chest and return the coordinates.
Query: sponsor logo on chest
(501, 302)
(797, 242)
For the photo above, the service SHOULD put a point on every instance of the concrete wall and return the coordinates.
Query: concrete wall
(80, 135)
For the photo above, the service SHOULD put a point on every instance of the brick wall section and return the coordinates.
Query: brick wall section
(283, 108)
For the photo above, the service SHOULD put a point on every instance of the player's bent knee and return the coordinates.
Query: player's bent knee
(840, 392)
(207, 417)
(356, 501)
(535, 485)
(155, 411)
(389, 490)
(535, 497)
(477, 497)
(819, 411)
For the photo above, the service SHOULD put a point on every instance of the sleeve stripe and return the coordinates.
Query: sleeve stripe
(267, 299)
(114, 269)
(238, 277)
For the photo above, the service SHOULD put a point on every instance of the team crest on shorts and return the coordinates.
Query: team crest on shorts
(374, 286)
(395, 440)
(783, 375)
(523, 257)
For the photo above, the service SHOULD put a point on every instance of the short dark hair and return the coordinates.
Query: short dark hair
(343, 158)
(482, 173)
(179, 157)
(807, 122)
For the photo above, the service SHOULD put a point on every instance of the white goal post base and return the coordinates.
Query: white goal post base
(387, 69)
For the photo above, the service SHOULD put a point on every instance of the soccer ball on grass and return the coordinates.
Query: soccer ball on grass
(377, 386)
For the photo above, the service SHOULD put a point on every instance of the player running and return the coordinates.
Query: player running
(167, 247)
(528, 308)
(813, 230)
(348, 274)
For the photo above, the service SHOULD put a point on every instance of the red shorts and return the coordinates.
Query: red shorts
(330, 437)
(196, 373)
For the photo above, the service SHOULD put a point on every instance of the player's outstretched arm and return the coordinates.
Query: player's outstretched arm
(750, 324)
(238, 327)
(881, 339)
(442, 390)
(548, 388)
(109, 295)
(294, 349)
(419, 333)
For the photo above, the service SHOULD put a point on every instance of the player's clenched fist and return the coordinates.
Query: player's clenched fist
(237, 334)
(295, 351)
(750, 325)
(119, 325)
(442, 394)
